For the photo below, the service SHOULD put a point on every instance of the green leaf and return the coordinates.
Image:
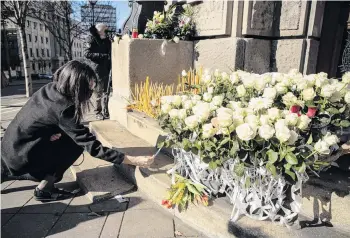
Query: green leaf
(309, 141)
(332, 110)
(290, 173)
(212, 154)
(224, 141)
(302, 168)
(271, 168)
(239, 170)
(344, 123)
(341, 110)
(272, 155)
(247, 182)
(192, 189)
(161, 144)
(213, 165)
(291, 158)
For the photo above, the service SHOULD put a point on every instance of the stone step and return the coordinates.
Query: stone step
(212, 220)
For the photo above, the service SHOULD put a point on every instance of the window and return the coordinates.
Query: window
(42, 53)
(31, 52)
(48, 53)
(41, 27)
(35, 25)
(33, 66)
(36, 38)
(29, 37)
(28, 23)
(37, 52)
(47, 40)
(42, 40)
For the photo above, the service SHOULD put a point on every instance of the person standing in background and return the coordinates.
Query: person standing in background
(99, 51)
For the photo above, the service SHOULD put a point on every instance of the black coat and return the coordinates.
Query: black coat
(99, 51)
(26, 145)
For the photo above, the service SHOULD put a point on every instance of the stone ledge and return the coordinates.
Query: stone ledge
(154, 182)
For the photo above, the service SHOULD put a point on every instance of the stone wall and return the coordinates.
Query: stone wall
(258, 36)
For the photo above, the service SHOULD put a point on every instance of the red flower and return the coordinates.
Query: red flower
(295, 109)
(311, 112)
(165, 202)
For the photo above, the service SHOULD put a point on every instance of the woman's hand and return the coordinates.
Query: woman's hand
(55, 137)
(141, 161)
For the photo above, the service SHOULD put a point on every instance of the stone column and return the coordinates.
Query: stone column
(135, 59)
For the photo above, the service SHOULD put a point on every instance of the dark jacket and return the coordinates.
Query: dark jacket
(99, 51)
(26, 145)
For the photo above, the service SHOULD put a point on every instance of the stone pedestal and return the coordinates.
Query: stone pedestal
(135, 59)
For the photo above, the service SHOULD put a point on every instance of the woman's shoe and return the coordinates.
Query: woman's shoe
(54, 195)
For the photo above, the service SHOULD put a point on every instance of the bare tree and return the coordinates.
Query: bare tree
(18, 11)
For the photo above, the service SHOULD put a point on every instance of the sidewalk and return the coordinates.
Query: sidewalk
(22, 216)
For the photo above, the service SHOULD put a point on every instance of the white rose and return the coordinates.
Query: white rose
(183, 73)
(321, 79)
(330, 139)
(308, 94)
(195, 99)
(347, 98)
(283, 133)
(280, 88)
(202, 111)
(266, 132)
(252, 120)
(210, 90)
(216, 73)
(177, 100)
(267, 78)
(259, 84)
(224, 116)
(327, 90)
(322, 147)
(346, 78)
(260, 103)
(238, 120)
(165, 108)
(192, 122)
(310, 80)
(234, 78)
(289, 99)
(336, 97)
(280, 123)
(213, 107)
(245, 132)
(184, 98)
(303, 122)
(264, 120)
(270, 93)
(224, 75)
(187, 104)
(207, 97)
(273, 113)
(176, 39)
(293, 137)
(301, 84)
(249, 81)
(173, 113)
(292, 119)
(241, 111)
(182, 114)
(217, 100)
(208, 131)
(206, 79)
(234, 105)
(166, 100)
(241, 91)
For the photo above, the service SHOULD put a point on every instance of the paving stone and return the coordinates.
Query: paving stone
(147, 223)
(4, 185)
(111, 205)
(5, 218)
(28, 225)
(79, 204)
(34, 206)
(185, 230)
(139, 200)
(78, 225)
(14, 197)
(112, 225)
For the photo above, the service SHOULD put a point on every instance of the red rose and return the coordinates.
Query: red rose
(295, 109)
(311, 112)
(165, 202)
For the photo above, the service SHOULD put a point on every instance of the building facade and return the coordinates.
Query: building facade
(101, 14)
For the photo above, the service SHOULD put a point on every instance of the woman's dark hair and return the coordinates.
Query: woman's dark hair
(74, 81)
